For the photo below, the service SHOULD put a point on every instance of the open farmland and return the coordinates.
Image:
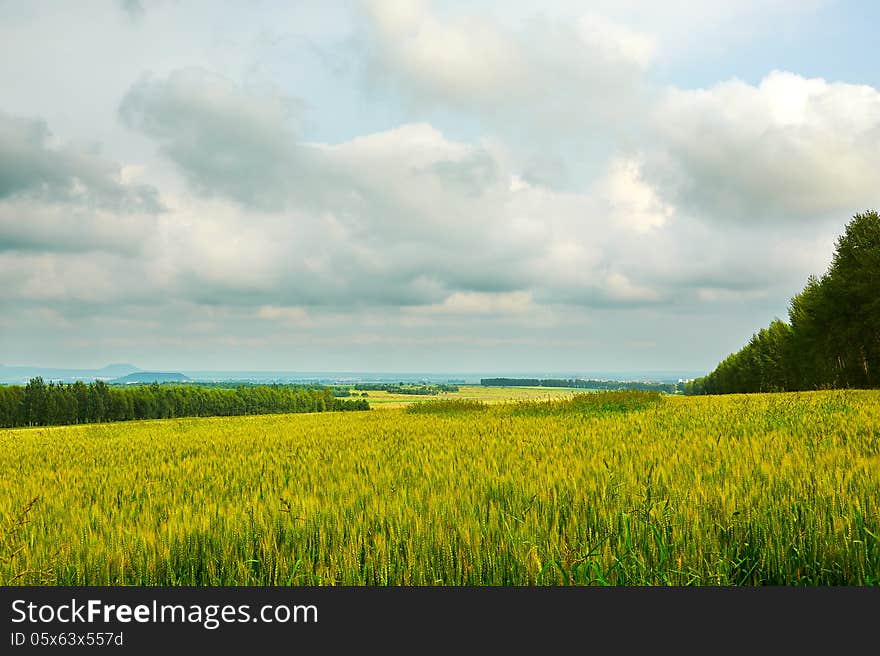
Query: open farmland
(624, 488)
(383, 399)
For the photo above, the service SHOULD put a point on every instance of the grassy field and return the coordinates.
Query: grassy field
(382, 399)
(596, 489)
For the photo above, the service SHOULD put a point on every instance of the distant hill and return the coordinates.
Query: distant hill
(116, 370)
(19, 375)
(146, 377)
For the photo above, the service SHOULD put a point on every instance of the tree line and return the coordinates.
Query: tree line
(409, 388)
(44, 404)
(832, 336)
(580, 383)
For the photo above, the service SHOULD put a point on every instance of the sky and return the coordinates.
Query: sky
(423, 186)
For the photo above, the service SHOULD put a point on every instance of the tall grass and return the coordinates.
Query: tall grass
(599, 403)
(734, 490)
(446, 407)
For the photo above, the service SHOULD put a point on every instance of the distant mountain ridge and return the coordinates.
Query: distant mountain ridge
(144, 377)
(22, 374)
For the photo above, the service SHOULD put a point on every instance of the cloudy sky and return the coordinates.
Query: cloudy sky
(423, 186)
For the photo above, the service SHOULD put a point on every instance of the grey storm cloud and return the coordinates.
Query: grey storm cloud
(242, 144)
(133, 8)
(227, 142)
(29, 225)
(59, 198)
(472, 173)
(388, 219)
(30, 167)
(366, 221)
(471, 176)
(407, 217)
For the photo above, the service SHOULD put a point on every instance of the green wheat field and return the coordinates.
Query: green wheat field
(603, 489)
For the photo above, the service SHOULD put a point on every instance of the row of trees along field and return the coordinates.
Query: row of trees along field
(42, 404)
(832, 337)
(581, 383)
(422, 389)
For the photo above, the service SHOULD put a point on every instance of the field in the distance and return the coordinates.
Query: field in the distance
(758, 489)
(383, 399)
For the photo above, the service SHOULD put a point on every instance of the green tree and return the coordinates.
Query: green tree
(833, 336)
(35, 402)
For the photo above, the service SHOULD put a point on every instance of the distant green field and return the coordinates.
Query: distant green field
(617, 489)
(383, 399)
